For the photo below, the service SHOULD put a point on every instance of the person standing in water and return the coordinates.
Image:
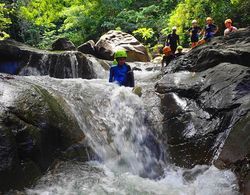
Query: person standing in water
(121, 73)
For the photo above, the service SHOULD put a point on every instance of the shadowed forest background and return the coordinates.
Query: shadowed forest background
(40, 22)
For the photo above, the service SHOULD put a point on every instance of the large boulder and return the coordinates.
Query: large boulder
(235, 153)
(17, 58)
(37, 128)
(87, 48)
(196, 112)
(63, 44)
(205, 100)
(114, 40)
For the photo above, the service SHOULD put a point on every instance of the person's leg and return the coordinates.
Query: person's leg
(200, 42)
(173, 49)
(163, 61)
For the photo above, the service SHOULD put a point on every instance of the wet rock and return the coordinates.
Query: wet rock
(157, 60)
(20, 59)
(205, 100)
(87, 48)
(36, 129)
(114, 40)
(199, 108)
(63, 44)
(234, 49)
(235, 153)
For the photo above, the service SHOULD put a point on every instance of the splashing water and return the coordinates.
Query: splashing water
(113, 119)
(93, 178)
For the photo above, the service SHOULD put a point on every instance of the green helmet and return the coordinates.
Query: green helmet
(121, 54)
(179, 47)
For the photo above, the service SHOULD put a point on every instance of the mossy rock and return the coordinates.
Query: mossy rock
(36, 129)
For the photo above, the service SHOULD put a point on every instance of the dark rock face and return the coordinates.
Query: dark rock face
(63, 44)
(114, 40)
(206, 112)
(36, 129)
(197, 108)
(87, 48)
(20, 59)
(233, 49)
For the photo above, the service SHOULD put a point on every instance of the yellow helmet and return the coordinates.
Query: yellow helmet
(209, 19)
(179, 47)
(228, 21)
(194, 21)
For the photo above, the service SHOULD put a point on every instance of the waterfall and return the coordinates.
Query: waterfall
(130, 157)
(112, 118)
(73, 63)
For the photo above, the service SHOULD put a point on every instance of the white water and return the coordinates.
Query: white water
(74, 64)
(112, 118)
(98, 179)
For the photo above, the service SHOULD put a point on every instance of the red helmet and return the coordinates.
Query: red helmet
(166, 50)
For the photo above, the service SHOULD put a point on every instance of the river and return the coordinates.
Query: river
(129, 159)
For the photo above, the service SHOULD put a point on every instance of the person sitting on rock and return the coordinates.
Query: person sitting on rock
(209, 31)
(121, 72)
(179, 53)
(167, 57)
(229, 27)
(194, 32)
(172, 40)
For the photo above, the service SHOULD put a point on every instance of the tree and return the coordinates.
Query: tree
(5, 21)
(40, 22)
(188, 10)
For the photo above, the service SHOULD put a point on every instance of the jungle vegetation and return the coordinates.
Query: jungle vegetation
(40, 22)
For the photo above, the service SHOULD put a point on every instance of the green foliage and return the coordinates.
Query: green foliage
(4, 35)
(219, 10)
(157, 49)
(5, 21)
(40, 22)
(143, 34)
(240, 13)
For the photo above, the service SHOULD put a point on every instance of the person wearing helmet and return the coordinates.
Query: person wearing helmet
(168, 56)
(121, 72)
(179, 53)
(172, 40)
(229, 27)
(194, 32)
(210, 29)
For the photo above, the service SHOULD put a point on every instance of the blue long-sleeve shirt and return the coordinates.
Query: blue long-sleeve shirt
(122, 74)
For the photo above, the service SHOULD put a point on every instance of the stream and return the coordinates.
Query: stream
(121, 128)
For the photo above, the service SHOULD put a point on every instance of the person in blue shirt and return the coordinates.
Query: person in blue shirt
(121, 73)
(209, 31)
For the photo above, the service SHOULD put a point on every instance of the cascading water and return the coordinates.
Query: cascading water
(74, 64)
(130, 158)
